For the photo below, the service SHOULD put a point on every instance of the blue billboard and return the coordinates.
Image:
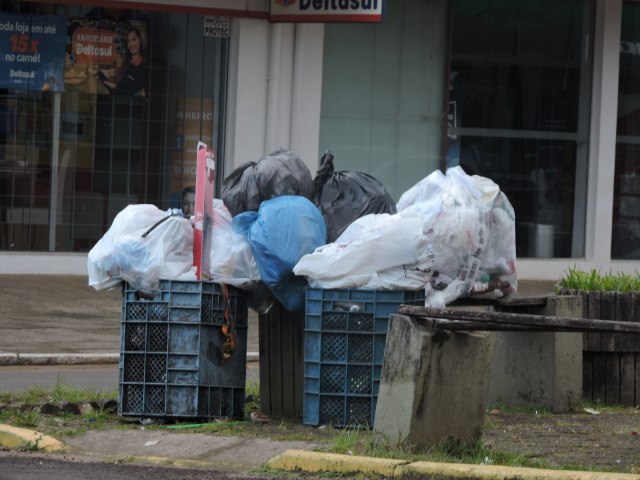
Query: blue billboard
(32, 52)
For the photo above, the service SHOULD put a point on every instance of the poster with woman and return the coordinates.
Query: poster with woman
(106, 56)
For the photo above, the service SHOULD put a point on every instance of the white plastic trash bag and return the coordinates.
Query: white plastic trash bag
(143, 245)
(377, 251)
(232, 261)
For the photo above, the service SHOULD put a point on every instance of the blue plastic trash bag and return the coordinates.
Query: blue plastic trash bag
(280, 233)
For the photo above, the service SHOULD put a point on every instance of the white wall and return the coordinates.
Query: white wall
(275, 86)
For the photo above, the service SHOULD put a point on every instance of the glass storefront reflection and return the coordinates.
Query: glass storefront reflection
(140, 90)
(519, 102)
(625, 238)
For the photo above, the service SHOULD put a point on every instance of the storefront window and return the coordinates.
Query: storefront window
(115, 121)
(625, 240)
(519, 107)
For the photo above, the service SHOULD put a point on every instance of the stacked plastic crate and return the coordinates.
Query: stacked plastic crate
(345, 334)
(174, 351)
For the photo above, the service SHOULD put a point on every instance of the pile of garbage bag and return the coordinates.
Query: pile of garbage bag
(453, 235)
(276, 231)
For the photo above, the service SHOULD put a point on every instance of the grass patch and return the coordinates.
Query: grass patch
(353, 441)
(60, 392)
(22, 409)
(594, 280)
(503, 408)
(25, 418)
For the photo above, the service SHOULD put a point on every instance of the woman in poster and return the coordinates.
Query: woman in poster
(133, 78)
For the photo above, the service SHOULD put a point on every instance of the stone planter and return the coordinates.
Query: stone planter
(611, 362)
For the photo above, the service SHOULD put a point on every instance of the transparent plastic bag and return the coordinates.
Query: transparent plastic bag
(142, 246)
(232, 260)
(473, 237)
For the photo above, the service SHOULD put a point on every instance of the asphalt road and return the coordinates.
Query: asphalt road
(97, 377)
(41, 467)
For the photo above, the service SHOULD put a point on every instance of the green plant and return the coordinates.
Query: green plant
(252, 390)
(60, 392)
(24, 418)
(365, 442)
(593, 280)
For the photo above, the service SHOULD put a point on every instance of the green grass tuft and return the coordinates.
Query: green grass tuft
(594, 280)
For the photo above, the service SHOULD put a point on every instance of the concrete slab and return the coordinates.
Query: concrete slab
(229, 453)
(540, 369)
(434, 384)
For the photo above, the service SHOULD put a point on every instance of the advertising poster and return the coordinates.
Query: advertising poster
(107, 57)
(32, 51)
(194, 123)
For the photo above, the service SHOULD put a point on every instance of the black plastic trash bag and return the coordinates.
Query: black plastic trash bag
(343, 197)
(280, 173)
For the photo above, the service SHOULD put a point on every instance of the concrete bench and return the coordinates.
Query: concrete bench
(436, 384)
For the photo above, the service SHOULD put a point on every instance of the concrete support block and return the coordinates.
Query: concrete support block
(433, 385)
(542, 370)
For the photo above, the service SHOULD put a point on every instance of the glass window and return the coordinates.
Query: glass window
(519, 105)
(625, 240)
(129, 115)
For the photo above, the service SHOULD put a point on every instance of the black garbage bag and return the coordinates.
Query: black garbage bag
(343, 197)
(280, 173)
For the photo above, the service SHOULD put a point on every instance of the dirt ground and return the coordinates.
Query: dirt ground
(608, 441)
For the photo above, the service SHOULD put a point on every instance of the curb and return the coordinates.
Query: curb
(7, 359)
(14, 437)
(315, 462)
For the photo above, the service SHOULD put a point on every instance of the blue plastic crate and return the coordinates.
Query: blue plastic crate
(171, 352)
(344, 337)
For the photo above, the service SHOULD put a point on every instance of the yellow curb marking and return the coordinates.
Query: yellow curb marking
(330, 462)
(15, 437)
(497, 472)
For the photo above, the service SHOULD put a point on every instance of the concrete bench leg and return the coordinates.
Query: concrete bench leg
(434, 384)
(541, 370)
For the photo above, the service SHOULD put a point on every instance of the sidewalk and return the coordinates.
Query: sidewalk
(58, 319)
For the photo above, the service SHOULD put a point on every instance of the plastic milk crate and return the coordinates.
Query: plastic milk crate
(344, 337)
(171, 352)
